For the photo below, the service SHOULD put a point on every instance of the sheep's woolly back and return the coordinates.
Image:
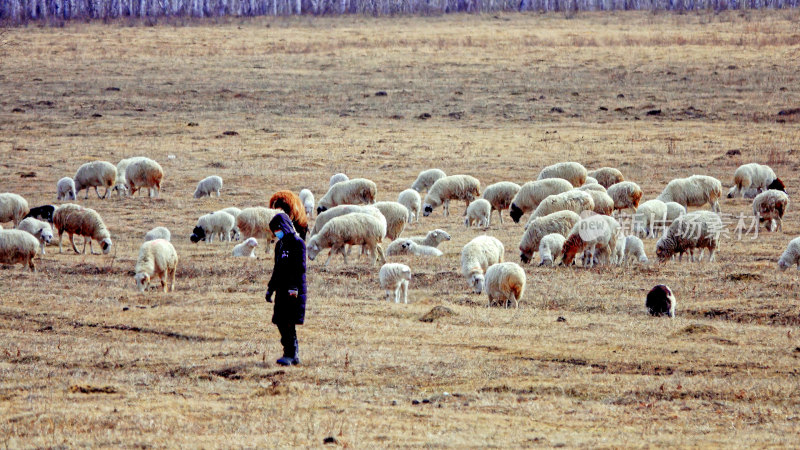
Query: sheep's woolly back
(533, 192)
(75, 219)
(505, 281)
(600, 232)
(695, 230)
(573, 172)
(36, 227)
(479, 254)
(254, 222)
(426, 179)
(407, 246)
(207, 186)
(592, 187)
(696, 190)
(591, 180)
(341, 210)
(232, 210)
(453, 187)
(501, 194)
(560, 222)
(625, 194)
(607, 176)
(790, 256)
(478, 213)
(674, 210)
(649, 215)
(634, 247)
(156, 259)
(572, 200)
(751, 176)
(770, 204)
(95, 174)
(158, 233)
(354, 192)
(432, 239)
(144, 173)
(18, 247)
(337, 178)
(396, 216)
(603, 204)
(350, 229)
(13, 208)
(291, 204)
(550, 247)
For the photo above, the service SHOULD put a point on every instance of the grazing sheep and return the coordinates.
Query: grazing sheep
(394, 280)
(426, 179)
(216, 223)
(697, 190)
(560, 222)
(590, 180)
(753, 176)
(413, 202)
(38, 229)
(246, 248)
(407, 246)
(307, 197)
(144, 173)
(75, 219)
(634, 247)
(698, 229)
(351, 192)
(235, 233)
(749, 193)
(770, 206)
(157, 258)
(603, 204)
(619, 252)
(660, 301)
(396, 216)
(477, 256)
(290, 203)
(254, 222)
(18, 247)
(626, 194)
(13, 208)
(650, 216)
(607, 176)
(65, 189)
(791, 256)
(95, 174)
(337, 178)
(207, 186)
(452, 187)
(121, 185)
(341, 210)
(478, 213)
(158, 233)
(592, 187)
(598, 234)
(573, 172)
(351, 229)
(674, 210)
(550, 248)
(505, 282)
(500, 195)
(572, 200)
(432, 239)
(533, 192)
(44, 212)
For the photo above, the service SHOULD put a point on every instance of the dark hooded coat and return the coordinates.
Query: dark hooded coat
(289, 274)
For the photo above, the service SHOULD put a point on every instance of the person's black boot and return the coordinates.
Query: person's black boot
(296, 359)
(285, 361)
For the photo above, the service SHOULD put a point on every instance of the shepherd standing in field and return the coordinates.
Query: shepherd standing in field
(288, 283)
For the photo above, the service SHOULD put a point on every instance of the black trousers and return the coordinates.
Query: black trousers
(288, 339)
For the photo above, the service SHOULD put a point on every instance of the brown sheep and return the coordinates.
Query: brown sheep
(290, 203)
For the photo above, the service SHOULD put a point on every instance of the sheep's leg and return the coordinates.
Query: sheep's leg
(86, 197)
(91, 250)
(712, 254)
(446, 208)
(397, 292)
(380, 253)
(60, 235)
(172, 279)
(330, 255)
(31, 264)
(780, 224)
(405, 292)
(516, 301)
(72, 241)
(105, 194)
(500, 215)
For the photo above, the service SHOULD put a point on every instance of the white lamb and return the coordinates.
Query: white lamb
(626, 194)
(75, 219)
(158, 233)
(207, 186)
(235, 233)
(432, 239)
(413, 202)
(500, 195)
(477, 256)
(394, 280)
(650, 217)
(573, 172)
(634, 248)
(426, 179)
(407, 246)
(560, 222)
(697, 190)
(246, 248)
(550, 248)
(18, 247)
(533, 192)
(65, 189)
(308, 201)
(144, 173)
(217, 223)
(351, 192)
(756, 177)
(695, 230)
(156, 259)
(572, 200)
(452, 187)
(478, 213)
(95, 174)
(607, 176)
(13, 208)
(38, 229)
(791, 256)
(351, 229)
(396, 216)
(337, 178)
(505, 282)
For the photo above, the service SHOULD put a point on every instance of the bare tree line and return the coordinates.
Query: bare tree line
(22, 11)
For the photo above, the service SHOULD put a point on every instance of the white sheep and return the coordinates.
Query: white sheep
(426, 179)
(452, 187)
(573, 172)
(95, 174)
(477, 256)
(749, 193)
(478, 213)
(603, 204)
(590, 180)
(213, 224)
(337, 178)
(13, 208)
(407, 246)
(121, 185)
(756, 177)
(505, 281)
(413, 202)
(65, 189)
(560, 222)
(39, 229)
(619, 253)
(235, 233)
(770, 206)
(396, 216)
(650, 216)
(533, 192)
(144, 173)
(18, 247)
(572, 200)
(246, 248)
(695, 230)
(626, 194)
(674, 210)
(351, 229)
(351, 192)
(254, 222)
(307, 197)
(75, 219)
(158, 233)
(394, 279)
(596, 233)
(157, 258)
(550, 248)
(500, 195)
(790, 256)
(592, 187)
(432, 239)
(696, 190)
(634, 248)
(341, 210)
(207, 186)
(607, 176)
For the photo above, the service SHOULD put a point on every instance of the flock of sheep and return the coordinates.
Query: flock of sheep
(574, 217)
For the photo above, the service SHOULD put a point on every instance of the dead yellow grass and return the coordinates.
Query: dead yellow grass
(85, 360)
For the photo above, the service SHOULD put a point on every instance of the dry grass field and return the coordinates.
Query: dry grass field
(85, 360)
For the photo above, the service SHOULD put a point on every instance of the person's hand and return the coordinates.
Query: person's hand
(293, 293)
(268, 297)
